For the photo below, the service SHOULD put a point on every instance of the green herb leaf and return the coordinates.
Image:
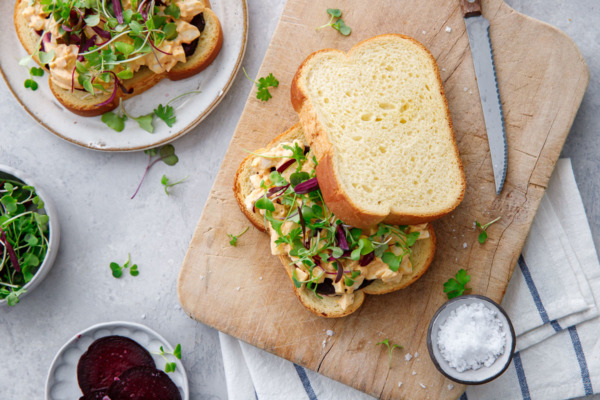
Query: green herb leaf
(117, 270)
(483, 235)
(234, 238)
(456, 286)
(145, 122)
(37, 71)
(125, 48)
(167, 155)
(170, 367)
(114, 121)
(177, 351)
(167, 185)
(173, 11)
(170, 30)
(46, 57)
(342, 27)
(334, 12)
(390, 349)
(167, 114)
(31, 84)
(264, 204)
(392, 260)
(92, 20)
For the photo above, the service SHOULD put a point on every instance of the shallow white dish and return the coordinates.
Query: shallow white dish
(61, 383)
(483, 374)
(92, 133)
(7, 172)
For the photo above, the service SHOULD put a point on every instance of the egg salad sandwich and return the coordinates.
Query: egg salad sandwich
(348, 194)
(101, 51)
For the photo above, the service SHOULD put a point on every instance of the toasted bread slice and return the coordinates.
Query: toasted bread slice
(83, 103)
(378, 121)
(328, 307)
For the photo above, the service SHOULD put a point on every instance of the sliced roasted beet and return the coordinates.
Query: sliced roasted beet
(326, 287)
(95, 395)
(199, 22)
(365, 283)
(144, 383)
(106, 359)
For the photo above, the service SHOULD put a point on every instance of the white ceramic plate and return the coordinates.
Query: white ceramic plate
(88, 132)
(61, 383)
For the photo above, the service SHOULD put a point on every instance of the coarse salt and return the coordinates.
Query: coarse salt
(407, 356)
(399, 384)
(414, 372)
(416, 354)
(329, 332)
(471, 337)
(450, 386)
(423, 386)
(237, 288)
(465, 245)
(448, 29)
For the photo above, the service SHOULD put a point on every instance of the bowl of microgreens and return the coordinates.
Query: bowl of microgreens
(29, 235)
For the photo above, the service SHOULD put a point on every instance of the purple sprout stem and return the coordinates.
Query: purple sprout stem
(150, 164)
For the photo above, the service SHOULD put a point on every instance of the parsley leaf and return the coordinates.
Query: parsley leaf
(456, 286)
(263, 85)
(483, 235)
(166, 114)
(390, 348)
(234, 238)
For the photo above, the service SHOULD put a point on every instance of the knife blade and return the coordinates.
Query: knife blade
(478, 30)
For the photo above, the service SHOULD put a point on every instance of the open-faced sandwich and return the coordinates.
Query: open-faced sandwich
(348, 194)
(101, 51)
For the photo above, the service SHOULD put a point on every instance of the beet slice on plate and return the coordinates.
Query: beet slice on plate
(106, 359)
(143, 383)
(95, 395)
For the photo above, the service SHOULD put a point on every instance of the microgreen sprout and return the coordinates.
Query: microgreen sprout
(31, 83)
(24, 236)
(390, 348)
(117, 270)
(456, 286)
(165, 154)
(483, 235)
(167, 185)
(263, 85)
(170, 366)
(234, 238)
(339, 25)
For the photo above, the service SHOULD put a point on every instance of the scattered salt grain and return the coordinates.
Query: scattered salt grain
(407, 356)
(455, 259)
(423, 386)
(448, 29)
(465, 88)
(465, 245)
(414, 372)
(450, 386)
(330, 332)
(201, 277)
(237, 288)
(424, 32)
(324, 342)
(260, 278)
(143, 316)
(416, 354)
(471, 337)
(177, 307)
(399, 384)
(443, 69)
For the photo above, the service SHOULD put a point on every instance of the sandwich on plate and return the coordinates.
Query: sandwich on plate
(101, 51)
(347, 195)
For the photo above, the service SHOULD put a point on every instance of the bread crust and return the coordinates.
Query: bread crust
(316, 134)
(76, 101)
(423, 250)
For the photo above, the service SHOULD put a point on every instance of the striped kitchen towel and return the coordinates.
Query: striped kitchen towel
(551, 300)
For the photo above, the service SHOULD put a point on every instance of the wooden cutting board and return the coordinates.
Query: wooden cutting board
(244, 292)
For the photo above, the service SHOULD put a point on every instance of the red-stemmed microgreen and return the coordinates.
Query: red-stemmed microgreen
(165, 154)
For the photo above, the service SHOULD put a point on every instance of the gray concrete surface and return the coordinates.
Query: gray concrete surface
(100, 224)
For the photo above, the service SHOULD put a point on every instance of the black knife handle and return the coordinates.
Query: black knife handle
(471, 8)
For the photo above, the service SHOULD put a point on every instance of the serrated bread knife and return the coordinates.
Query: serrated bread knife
(478, 29)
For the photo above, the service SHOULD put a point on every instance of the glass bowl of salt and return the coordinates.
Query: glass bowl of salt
(471, 340)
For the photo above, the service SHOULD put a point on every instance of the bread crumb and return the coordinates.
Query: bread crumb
(414, 372)
(399, 384)
(408, 356)
(465, 245)
(423, 386)
(450, 386)
(237, 288)
(416, 354)
(448, 29)
(330, 332)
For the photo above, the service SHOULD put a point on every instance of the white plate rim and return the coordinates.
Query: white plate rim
(115, 324)
(173, 136)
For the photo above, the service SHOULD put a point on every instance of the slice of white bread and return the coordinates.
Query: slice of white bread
(82, 103)
(378, 121)
(328, 307)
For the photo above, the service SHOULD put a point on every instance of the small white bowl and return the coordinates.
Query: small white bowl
(7, 172)
(483, 374)
(61, 383)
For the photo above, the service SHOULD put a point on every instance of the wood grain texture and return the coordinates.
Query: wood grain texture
(244, 292)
